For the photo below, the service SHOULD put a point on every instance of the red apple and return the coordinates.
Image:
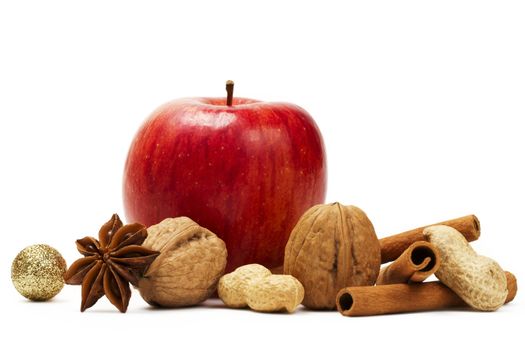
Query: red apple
(245, 169)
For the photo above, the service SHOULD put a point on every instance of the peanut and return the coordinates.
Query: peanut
(232, 286)
(476, 279)
(254, 286)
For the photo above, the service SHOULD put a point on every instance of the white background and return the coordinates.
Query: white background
(420, 103)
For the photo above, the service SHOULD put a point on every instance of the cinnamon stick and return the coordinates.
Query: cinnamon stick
(402, 297)
(393, 246)
(418, 262)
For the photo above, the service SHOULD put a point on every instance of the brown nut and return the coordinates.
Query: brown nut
(332, 246)
(478, 280)
(191, 261)
(232, 286)
(274, 293)
(254, 286)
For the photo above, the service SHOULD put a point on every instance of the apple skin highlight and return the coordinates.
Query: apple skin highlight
(247, 172)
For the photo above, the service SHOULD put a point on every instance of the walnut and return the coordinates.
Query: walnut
(191, 261)
(332, 246)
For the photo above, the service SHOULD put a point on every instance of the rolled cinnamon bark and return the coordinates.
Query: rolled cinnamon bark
(402, 297)
(393, 246)
(395, 298)
(419, 261)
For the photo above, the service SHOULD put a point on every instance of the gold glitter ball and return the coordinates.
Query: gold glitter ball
(38, 272)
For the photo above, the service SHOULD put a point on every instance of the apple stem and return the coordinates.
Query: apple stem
(229, 90)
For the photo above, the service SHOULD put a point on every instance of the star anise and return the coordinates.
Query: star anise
(111, 263)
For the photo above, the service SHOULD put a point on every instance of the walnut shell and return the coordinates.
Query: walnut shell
(332, 246)
(191, 261)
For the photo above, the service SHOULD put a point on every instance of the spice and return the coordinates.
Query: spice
(111, 263)
(416, 264)
(393, 246)
(402, 297)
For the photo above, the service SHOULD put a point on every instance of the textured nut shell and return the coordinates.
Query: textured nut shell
(191, 261)
(232, 286)
(478, 280)
(332, 247)
(274, 293)
(512, 287)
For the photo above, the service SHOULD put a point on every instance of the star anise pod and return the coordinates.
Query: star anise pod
(111, 263)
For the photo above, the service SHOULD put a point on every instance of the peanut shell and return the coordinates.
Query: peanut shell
(476, 279)
(274, 293)
(232, 286)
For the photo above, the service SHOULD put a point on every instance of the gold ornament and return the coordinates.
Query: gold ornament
(38, 272)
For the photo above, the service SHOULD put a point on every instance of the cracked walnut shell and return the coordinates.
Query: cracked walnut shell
(192, 260)
(331, 247)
